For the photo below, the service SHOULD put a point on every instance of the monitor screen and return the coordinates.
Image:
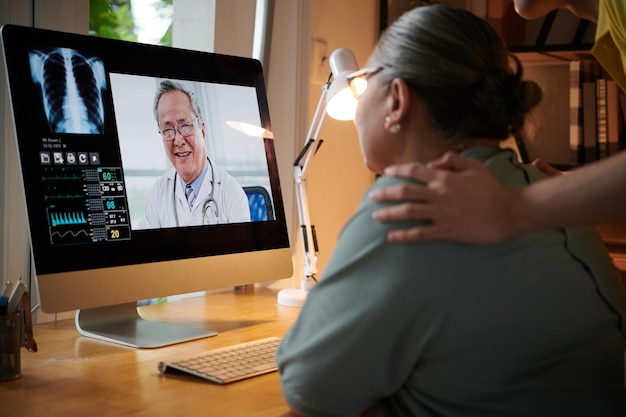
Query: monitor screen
(148, 171)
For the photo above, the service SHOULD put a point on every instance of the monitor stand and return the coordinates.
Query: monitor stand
(123, 325)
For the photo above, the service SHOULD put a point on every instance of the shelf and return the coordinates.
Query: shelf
(527, 55)
(614, 237)
(559, 30)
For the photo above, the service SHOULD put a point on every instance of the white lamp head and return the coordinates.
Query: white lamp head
(341, 103)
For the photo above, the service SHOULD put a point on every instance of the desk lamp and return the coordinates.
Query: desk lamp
(338, 101)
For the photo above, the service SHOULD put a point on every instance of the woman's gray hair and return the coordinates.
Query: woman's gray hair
(169, 85)
(455, 61)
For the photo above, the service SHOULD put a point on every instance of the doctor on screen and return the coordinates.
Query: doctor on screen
(196, 191)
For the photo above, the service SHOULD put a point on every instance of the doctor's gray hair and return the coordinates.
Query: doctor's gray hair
(169, 85)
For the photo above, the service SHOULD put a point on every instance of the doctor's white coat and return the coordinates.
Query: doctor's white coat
(166, 204)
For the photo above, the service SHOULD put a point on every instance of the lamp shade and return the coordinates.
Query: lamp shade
(341, 103)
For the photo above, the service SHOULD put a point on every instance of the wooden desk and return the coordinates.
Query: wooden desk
(72, 375)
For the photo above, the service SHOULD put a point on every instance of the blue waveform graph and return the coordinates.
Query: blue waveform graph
(67, 219)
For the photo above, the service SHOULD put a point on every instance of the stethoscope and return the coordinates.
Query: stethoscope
(210, 212)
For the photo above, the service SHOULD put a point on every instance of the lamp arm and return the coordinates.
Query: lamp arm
(302, 162)
(313, 142)
(342, 62)
(310, 258)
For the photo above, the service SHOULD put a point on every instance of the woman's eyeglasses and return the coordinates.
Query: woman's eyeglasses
(185, 129)
(358, 79)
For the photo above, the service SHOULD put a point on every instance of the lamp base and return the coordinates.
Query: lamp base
(292, 297)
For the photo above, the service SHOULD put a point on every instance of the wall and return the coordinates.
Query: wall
(287, 76)
(338, 177)
(287, 87)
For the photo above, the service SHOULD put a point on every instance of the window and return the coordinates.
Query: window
(147, 21)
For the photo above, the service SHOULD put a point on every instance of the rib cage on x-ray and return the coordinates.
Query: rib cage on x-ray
(71, 87)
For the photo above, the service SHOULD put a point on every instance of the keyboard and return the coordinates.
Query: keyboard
(229, 364)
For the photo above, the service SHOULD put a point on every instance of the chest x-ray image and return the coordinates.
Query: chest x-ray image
(71, 90)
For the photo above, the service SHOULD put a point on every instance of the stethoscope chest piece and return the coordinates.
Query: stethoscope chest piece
(210, 211)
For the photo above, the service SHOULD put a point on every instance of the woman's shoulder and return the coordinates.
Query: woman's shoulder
(362, 219)
(385, 181)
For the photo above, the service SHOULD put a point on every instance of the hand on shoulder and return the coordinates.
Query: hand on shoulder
(459, 196)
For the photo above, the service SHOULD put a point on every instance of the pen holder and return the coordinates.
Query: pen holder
(10, 344)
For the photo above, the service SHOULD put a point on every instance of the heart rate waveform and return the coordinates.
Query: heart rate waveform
(63, 184)
(85, 204)
(63, 176)
(63, 196)
(67, 218)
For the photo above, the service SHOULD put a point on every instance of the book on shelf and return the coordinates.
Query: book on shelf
(581, 71)
(589, 122)
(622, 105)
(614, 118)
(601, 118)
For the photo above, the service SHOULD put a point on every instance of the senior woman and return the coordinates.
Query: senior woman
(529, 327)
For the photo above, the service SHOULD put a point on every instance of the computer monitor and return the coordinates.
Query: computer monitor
(90, 152)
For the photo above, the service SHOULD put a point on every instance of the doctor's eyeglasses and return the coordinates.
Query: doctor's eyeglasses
(358, 79)
(185, 129)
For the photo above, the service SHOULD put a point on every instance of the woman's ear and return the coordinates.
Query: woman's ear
(398, 101)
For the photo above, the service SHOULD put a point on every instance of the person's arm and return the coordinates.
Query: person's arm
(465, 203)
(235, 204)
(150, 219)
(534, 9)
